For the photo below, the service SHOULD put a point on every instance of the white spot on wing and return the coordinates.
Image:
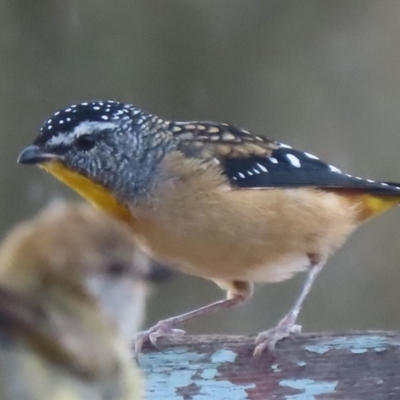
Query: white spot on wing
(309, 155)
(273, 160)
(241, 175)
(285, 146)
(334, 169)
(263, 169)
(293, 160)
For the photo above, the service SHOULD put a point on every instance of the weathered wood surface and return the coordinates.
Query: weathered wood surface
(364, 365)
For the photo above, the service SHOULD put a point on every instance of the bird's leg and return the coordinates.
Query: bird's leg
(287, 324)
(240, 292)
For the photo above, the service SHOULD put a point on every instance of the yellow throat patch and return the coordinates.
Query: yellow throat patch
(96, 194)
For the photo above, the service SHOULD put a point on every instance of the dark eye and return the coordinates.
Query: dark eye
(117, 269)
(85, 142)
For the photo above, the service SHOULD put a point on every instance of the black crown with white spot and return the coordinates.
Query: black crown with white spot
(67, 119)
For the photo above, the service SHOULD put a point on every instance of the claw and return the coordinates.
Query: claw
(160, 333)
(268, 339)
(162, 328)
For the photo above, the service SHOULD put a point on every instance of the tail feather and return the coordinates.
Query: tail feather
(371, 205)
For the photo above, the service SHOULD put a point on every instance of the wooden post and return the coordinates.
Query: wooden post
(360, 365)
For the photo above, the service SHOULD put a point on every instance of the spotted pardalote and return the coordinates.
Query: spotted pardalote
(209, 199)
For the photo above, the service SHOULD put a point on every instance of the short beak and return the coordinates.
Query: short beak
(34, 155)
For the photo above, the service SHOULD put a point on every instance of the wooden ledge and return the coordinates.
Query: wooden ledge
(355, 365)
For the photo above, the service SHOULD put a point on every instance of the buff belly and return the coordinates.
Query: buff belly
(268, 241)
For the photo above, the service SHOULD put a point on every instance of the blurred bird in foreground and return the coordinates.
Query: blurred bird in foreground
(209, 198)
(72, 295)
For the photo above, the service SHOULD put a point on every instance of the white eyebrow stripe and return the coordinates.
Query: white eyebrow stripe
(89, 126)
(61, 138)
(84, 128)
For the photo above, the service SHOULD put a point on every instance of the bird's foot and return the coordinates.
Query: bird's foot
(162, 328)
(268, 339)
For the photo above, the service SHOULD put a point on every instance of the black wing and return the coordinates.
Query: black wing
(251, 161)
(290, 168)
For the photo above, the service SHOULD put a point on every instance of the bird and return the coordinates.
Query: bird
(72, 296)
(209, 199)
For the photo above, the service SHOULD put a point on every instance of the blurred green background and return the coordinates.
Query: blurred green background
(322, 75)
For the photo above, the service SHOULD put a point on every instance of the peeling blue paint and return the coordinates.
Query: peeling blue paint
(210, 373)
(196, 369)
(223, 390)
(222, 356)
(309, 387)
(161, 378)
(301, 363)
(219, 357)
(316, 348)
(359, 351)
(380, 349)
(355, 344)
(173, 372)
(275, 368)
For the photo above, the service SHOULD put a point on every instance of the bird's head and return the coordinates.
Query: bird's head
(100, 147)
(73, 251)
